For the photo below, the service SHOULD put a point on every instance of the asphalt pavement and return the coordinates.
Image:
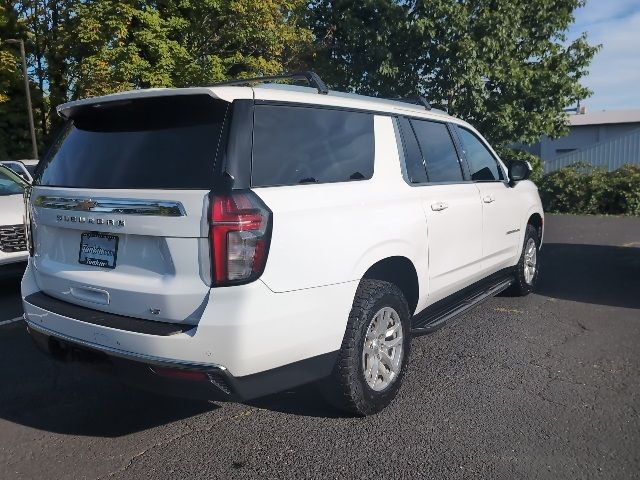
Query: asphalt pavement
(546, 386)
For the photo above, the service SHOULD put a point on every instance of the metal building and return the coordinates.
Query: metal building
(608, 139)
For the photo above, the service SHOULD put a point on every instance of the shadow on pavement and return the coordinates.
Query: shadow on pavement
(596, 274)
(72, 399)
(10, 305)
(40, 393)
(306, 401)
(69, 399)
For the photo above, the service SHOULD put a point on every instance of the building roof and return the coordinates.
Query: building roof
(605, 117)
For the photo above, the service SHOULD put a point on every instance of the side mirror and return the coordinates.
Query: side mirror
(20, 169)
(25, 174)
(518, 170)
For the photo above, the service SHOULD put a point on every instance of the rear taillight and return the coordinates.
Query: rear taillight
(240, 230)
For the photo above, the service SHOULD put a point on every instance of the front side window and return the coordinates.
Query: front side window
(483, 165)
(10, 183)
(299, 145)
(438, 150)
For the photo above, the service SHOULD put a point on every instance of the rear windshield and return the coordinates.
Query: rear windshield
(161, 142)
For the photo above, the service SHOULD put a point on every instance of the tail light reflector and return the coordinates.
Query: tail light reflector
(180, 374)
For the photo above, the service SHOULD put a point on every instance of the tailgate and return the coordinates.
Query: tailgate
(119, 207)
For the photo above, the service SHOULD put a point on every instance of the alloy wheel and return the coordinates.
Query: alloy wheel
(530, 261)
(383, 349)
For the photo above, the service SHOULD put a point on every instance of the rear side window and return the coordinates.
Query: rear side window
(438, 151)
(483, 165)
(297, 145)
(161, 142)
(412, 156)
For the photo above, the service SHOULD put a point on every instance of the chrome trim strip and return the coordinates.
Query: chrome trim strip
(137, 357)
(159, 208)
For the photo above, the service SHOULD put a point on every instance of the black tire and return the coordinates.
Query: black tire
(521, 287)
(347, 388)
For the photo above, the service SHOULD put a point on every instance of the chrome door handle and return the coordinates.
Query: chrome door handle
(438, 206)
(488, 199)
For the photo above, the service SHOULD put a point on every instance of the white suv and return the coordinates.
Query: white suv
(233, 241)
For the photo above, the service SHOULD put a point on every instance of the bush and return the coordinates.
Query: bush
(582, 188)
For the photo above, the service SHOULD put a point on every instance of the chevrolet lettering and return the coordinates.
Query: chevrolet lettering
(93, 221)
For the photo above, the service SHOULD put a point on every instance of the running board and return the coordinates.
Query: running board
(434, 316)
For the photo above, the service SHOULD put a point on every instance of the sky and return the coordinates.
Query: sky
(614, 73)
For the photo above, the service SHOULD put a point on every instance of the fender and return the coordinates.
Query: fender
(523, 226)
(416, 253)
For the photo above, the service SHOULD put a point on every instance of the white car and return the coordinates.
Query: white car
(13, 241)
(232, 241)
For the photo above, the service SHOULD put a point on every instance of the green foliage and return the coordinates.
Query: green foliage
(15, 140)
(133, 44)
(581, 188)
(80, 48)
(504, 65)
(8, 60)
(507, 154)
(364, 46)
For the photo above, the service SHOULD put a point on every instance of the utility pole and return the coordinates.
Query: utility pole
(27, 91)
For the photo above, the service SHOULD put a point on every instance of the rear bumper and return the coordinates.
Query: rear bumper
(260, 341)
(205, 382)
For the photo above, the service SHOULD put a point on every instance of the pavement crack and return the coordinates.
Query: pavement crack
(539, 395)
(582, 325)
(163, 443)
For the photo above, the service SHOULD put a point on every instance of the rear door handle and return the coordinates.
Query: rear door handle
(488, 199)
(438, 206)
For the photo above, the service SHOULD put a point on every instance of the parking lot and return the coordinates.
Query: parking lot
(542, 387)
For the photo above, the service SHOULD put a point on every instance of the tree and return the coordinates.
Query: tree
(7, 59)
(364, 46)
(504, 65)
(136, 44)
(48, 26)
(79, 48)
(15, 140)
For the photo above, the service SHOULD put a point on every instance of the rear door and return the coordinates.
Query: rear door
(120, 207)
(451, 205)
(500, 216)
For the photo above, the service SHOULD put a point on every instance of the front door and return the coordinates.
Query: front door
(500, 219)
(451, 205)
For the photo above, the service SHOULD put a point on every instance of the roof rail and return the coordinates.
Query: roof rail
(420, 100)
(312, 78)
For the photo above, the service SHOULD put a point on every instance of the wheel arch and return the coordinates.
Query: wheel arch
(400, 271)
(536, 220)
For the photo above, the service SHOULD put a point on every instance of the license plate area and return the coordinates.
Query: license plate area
(98, 250)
